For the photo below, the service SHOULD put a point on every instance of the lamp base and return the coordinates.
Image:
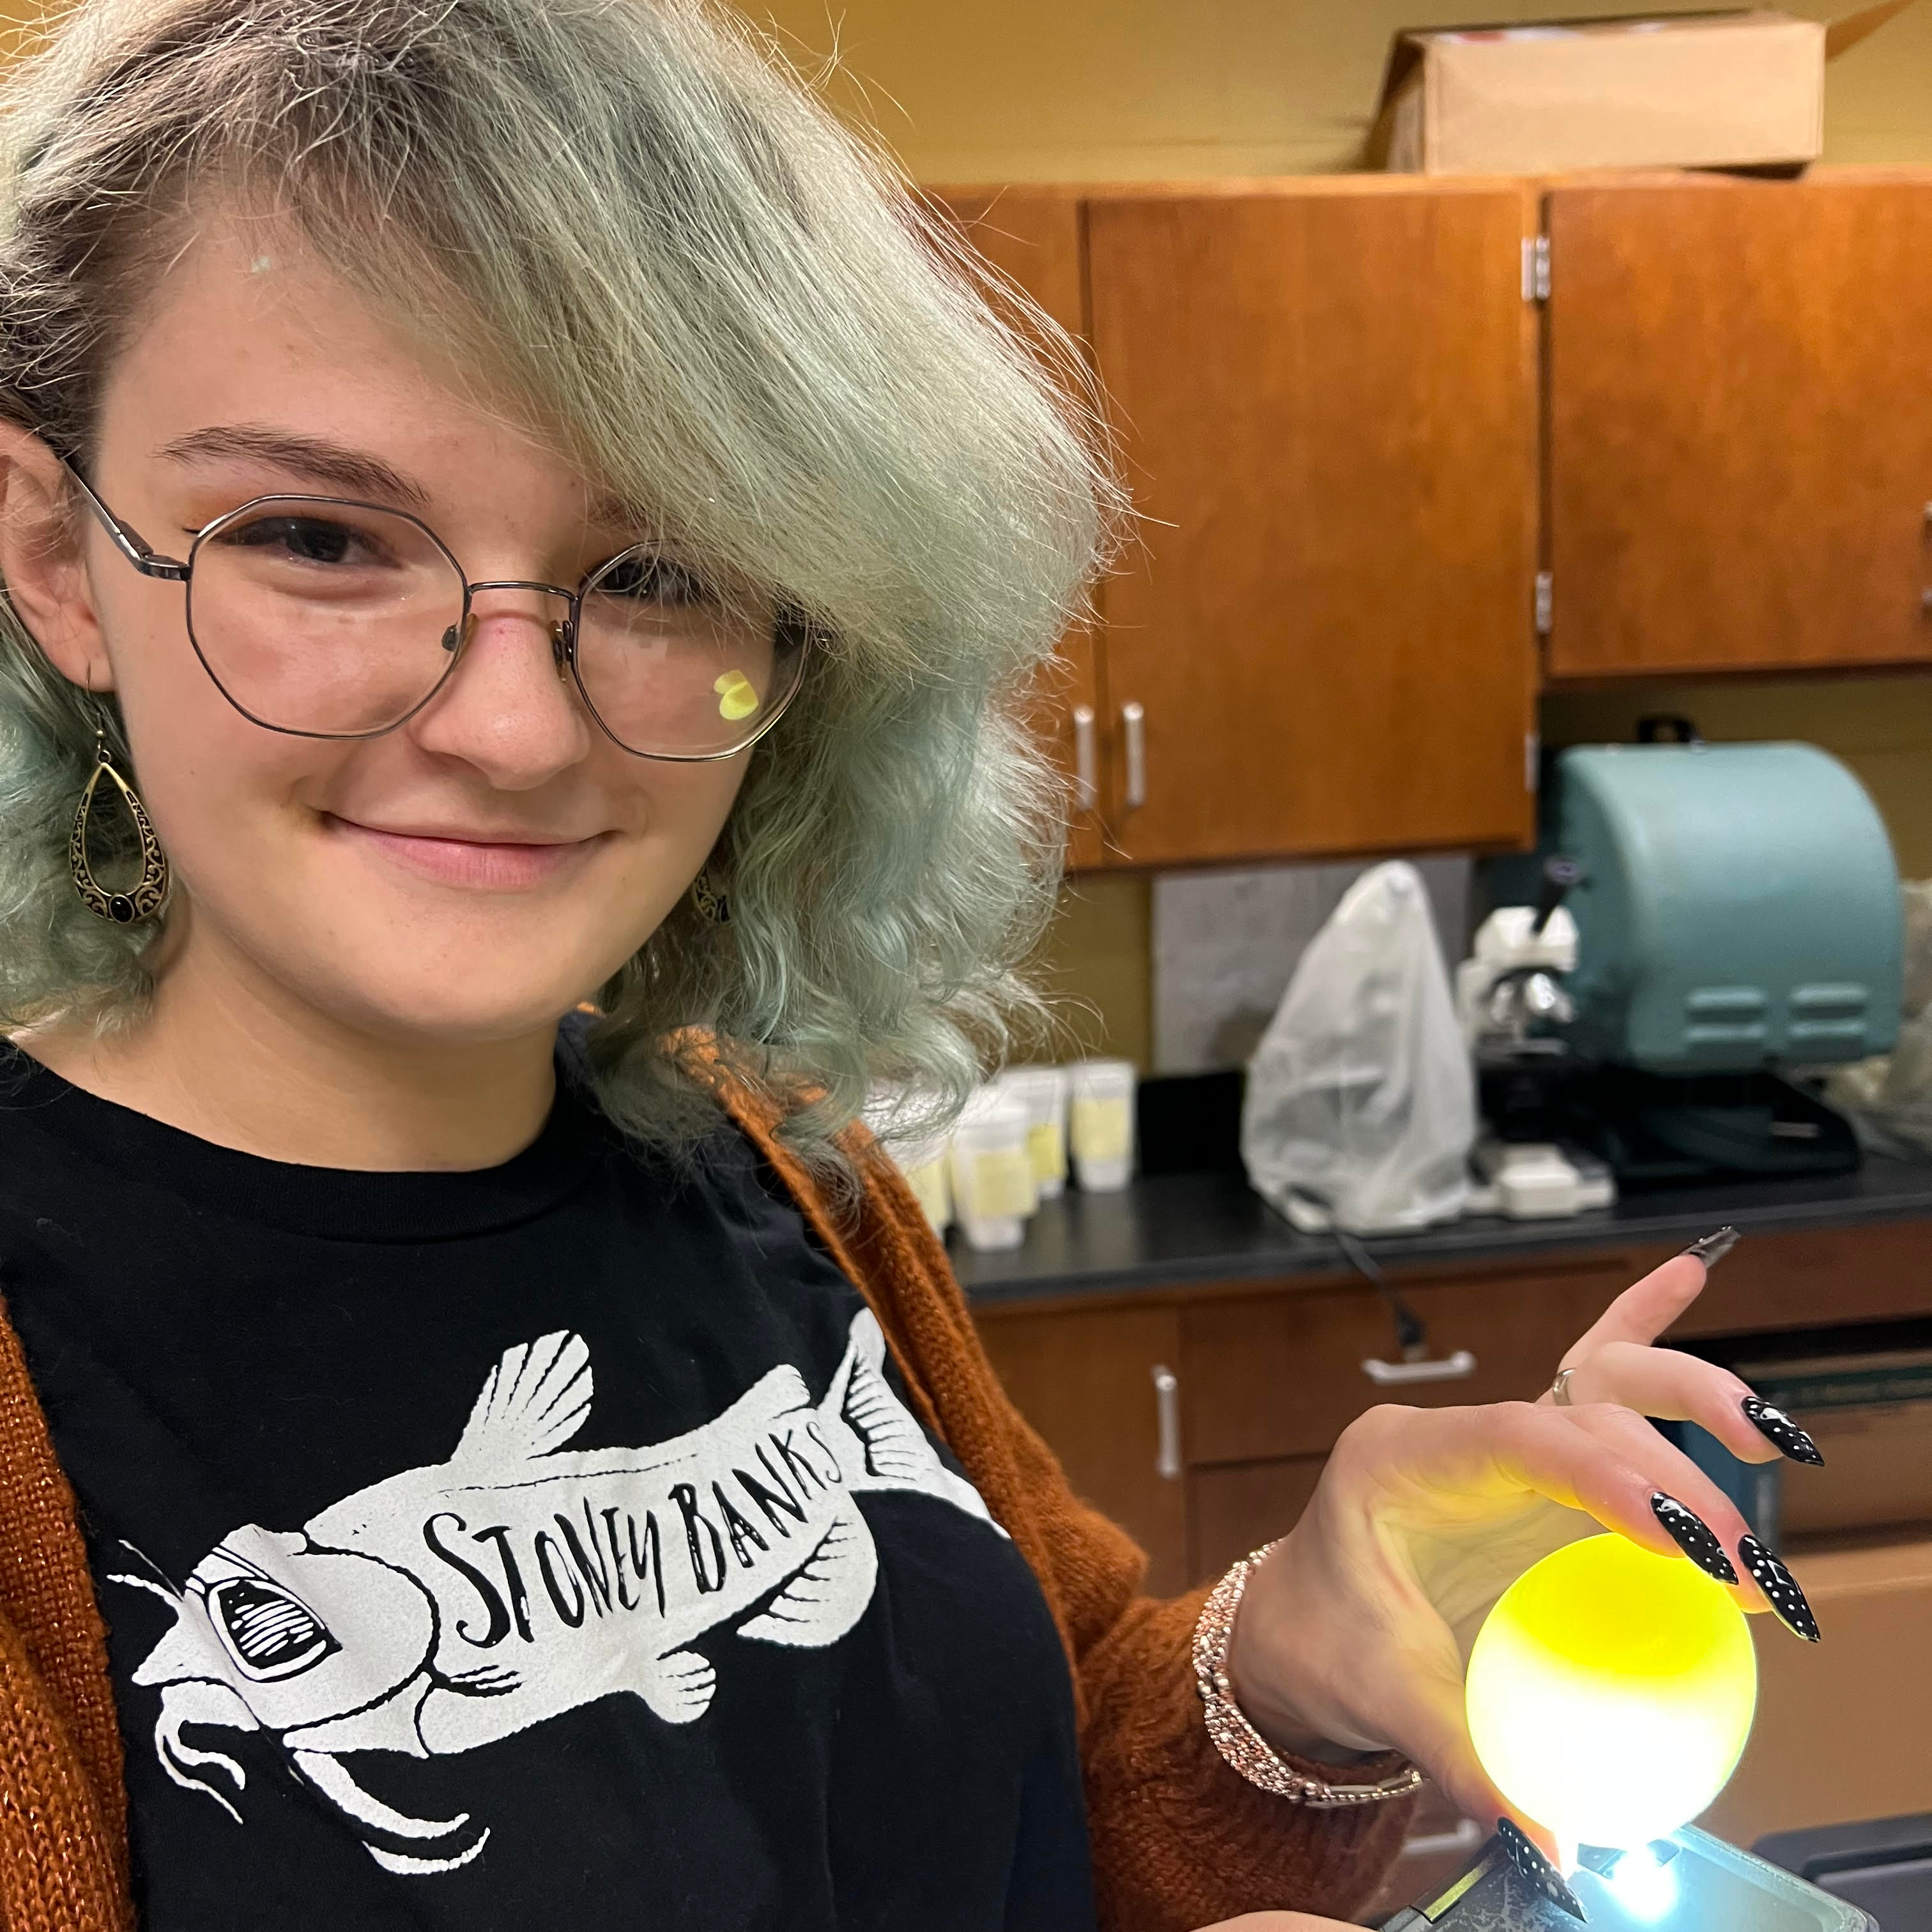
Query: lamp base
(1688, 1882)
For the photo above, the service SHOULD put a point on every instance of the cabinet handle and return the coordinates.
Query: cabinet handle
(1086, 766)
(1133, 720)
(1466, 1835)
(1454, 1368)
(1167, 1420)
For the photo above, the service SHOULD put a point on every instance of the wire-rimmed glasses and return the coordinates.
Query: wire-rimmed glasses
(324, 617)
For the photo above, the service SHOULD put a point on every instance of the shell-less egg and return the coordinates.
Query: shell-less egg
(1610, 1692)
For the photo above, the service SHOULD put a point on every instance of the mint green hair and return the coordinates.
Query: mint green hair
(632, 227)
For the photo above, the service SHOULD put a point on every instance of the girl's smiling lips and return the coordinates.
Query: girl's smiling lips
(458, 858)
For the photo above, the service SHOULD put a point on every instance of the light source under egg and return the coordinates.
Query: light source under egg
(1610, 1692)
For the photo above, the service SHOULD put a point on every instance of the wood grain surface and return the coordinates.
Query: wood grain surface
(1033, 240)
(1740, 426)
(1327, 403)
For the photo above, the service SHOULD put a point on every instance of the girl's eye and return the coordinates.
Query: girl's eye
(307, 539)
(655, 580)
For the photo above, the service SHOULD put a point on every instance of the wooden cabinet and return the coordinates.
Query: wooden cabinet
(1085, 1378)
(1740, 430)
(1034, 239)
(1354, 434)
(1269, 1373)
(1325, 397)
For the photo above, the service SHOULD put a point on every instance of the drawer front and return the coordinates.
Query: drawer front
(1236, 1508)
(1282, 1375)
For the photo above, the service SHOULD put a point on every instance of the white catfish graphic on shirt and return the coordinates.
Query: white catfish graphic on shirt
(449, 1607)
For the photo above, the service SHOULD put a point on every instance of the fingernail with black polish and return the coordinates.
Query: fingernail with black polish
(1537, 1869)
(1780, 1589)
(1713, 1248)
(1693, 1536)
(1781, 1433)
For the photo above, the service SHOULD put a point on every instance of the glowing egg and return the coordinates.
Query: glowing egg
(1610, 1692)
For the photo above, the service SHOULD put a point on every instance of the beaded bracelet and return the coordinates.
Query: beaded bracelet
(1238, 1741)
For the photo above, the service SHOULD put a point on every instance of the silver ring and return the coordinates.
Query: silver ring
(1559, 1389)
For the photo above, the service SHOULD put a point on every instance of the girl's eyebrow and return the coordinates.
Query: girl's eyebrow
(355, 473)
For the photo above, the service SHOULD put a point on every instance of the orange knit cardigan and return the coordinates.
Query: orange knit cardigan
(1179, 1840)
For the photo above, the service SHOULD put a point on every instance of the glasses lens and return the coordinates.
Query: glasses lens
(679, 665)
(320, 616)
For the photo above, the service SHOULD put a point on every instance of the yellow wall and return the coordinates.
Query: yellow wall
(1073, 90)
(1046, 90)
(1881, 727)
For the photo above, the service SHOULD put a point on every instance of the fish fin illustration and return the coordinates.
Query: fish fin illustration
(829, 1593)
(897, 1452)
(534, 1400)
(198, 1701)
(680, 1687)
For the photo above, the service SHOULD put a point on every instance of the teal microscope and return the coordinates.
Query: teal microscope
(1736, 924)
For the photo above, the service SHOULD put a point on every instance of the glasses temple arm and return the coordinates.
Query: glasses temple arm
(127, 540)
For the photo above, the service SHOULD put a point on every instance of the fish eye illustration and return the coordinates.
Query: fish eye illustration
(267, 1630)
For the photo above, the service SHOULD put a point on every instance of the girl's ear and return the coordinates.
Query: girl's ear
(41, 563)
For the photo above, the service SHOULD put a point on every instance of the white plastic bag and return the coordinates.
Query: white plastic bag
(1361, 1106)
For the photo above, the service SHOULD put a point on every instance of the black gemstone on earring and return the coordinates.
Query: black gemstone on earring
(1693, 1536)
(1532, 1865)
(1780, 1589)
(1781, 1433)
(120, 908)
(1713, 1248)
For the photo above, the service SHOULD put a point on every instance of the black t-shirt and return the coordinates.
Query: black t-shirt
(546, 1546)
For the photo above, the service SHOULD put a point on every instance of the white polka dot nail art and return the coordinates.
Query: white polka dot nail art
(1780, 1589)
(1693, 1536)
(1781, 1433)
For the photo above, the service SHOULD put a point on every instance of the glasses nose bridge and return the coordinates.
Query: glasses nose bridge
(560, 628)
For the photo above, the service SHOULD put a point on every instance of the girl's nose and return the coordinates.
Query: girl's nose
(508, 708)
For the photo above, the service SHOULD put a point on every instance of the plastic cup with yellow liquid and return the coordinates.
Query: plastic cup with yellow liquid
(1043, 1091)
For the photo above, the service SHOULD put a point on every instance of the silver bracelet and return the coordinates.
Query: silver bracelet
(1238, 1741)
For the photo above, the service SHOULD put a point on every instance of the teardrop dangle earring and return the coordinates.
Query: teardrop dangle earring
(152, 887)
(711, 898)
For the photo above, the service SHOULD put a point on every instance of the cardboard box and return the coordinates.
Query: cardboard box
(1730, 89)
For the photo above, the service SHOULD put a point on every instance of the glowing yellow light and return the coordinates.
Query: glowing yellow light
(1610, 1692)
(736, 696)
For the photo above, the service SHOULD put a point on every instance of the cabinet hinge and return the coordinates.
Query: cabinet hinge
(1532, 760)
(1536, 268)
(1545, 596)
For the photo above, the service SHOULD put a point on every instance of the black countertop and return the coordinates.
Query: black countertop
(1172, 1228)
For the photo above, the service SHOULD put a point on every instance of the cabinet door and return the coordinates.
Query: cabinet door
(1740, 425)
(1085, 1380)
(1033, 238)
(1325, 399)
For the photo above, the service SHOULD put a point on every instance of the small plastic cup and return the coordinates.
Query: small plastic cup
(925, 1167)
(1043, 1090)
(921, 1158)
(1101, 1124)
(993, 1190)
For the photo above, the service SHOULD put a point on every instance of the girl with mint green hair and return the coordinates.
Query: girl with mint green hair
(523, 551)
